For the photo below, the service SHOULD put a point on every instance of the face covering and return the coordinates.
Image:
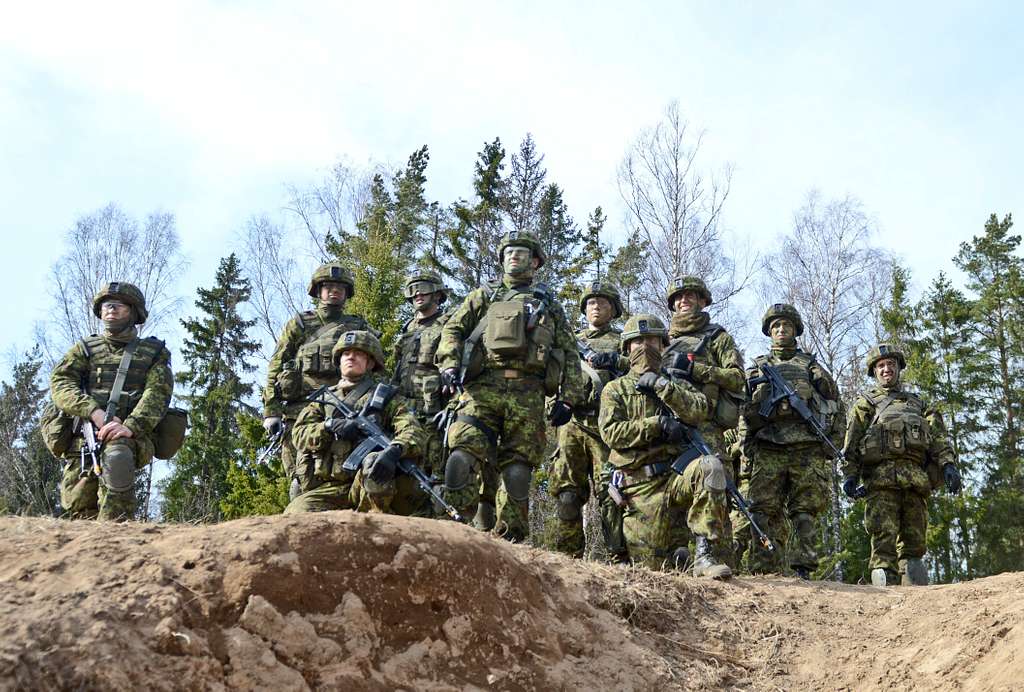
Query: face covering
(687, 322)
(118, 329)
(646, 359)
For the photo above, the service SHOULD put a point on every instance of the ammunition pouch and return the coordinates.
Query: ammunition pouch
(57, 429)
(169, 434)
(289, 382)
(505, 333)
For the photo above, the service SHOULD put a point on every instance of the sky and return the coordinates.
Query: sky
(208, 110)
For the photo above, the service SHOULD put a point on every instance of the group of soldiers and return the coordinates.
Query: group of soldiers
(661, 423)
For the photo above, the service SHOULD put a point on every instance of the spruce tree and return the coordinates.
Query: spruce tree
(524, 187)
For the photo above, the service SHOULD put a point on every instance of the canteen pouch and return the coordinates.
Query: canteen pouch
(505, 333)
(169, 433)
(289, 382)
(57, 429)
(727, 409)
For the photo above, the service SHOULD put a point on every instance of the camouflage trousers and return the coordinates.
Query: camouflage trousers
(401, 496)
(582, 459)
(511, 410)
(649, 522)
(896, 519)
(322, 498)
(85, 497)
(789, 490)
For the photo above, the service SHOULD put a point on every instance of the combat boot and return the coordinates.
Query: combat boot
(705, 565)
(802, 572)
(884, 577)
(486, 516)
(914, 572)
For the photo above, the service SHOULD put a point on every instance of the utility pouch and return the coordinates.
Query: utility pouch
(169, 433)
(727, 409)
(872, 445)
(916, 434)
(505, 334)
(553, 372)
(57, 429)
(289, 382)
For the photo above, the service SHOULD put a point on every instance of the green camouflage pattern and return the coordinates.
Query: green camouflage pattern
(127, 293)
(603, 289)
(332, 271)
(153, 387)
(877, 353)
(358, 340)
(718, 367)
(737, 464)
(897, 522)
(323, 483)
(687, 283)
(416, 374)
(522, 239)
(784, 310)
(814, 384)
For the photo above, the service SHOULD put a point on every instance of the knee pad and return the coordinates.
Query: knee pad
(458, 470)
(569, 505)
(517, 481)
(714, 472)
(118, 468)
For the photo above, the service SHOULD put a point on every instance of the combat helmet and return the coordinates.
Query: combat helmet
(332, 271)
(125, 292)
(881, 351)
(602, 289)
(436, 285)
(522, 239)
(687, 283)
(639, 326)
(781, 310)
(363, 341)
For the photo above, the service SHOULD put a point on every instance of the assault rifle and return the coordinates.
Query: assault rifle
(274, 445)
(587, 352)
(90, 448)
(375, 439)
(696, 447)
(781, 390)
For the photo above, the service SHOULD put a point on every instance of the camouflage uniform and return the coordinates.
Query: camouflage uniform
(509, 369)
(790, 468)
(417, 375)
(630, 422)
(582, 456)
(717, 371)
(324, 484)
(302, 359)
(896, 443)
(82, 382)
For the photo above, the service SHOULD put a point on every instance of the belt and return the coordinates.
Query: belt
(646, 472)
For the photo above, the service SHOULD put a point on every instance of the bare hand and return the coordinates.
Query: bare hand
(113, 430)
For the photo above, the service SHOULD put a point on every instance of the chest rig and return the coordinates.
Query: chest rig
(415, 372)
(314, 361)
(725, 407)
(898, 430)
(103, 366)
(784, 425)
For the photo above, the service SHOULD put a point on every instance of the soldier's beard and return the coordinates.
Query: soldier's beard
(646, 359)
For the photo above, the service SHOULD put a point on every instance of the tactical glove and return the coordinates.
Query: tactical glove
(604, 360)
(273, 425)
(342, 428)
(382, 468)
(450, 380)
(560, 414)
(954, 484)
(684, 366)
(650, 382)
(852, 490)
(671, 429)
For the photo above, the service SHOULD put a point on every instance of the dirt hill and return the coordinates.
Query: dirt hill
(370, 602)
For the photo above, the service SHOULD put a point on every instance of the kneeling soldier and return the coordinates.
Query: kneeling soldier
(324, 439)
(643, 420)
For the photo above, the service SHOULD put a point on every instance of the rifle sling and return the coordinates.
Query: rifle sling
(122, 373)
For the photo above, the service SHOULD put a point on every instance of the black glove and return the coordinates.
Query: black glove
(450, 380)
(649, 382)
(954, 484)
(671, 429)
(852, 490)
(604, 360)
(560, 414)
(382, 468)
(685, 366)
(343, 428)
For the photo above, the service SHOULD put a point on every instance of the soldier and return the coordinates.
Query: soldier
(704, 354)
(790, 469)
(324, 439)
(120, 384)
(508, 345)
(582, 456)
(896, 443)
(641, 420)
(415, 372)
(302, 360)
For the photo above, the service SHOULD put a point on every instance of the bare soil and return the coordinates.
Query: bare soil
(370, 602)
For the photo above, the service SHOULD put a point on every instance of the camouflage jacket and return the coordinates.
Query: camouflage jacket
(552, 346)
(416, 374)
(628, 420)
(80, 383)
(605, 339)
(302, 359)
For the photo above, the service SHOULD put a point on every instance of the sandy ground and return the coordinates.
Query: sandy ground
(370, 602)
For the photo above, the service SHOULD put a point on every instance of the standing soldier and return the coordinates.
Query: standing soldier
(119, 385)
(582, 456)
(303, 360)
(324, 438)
(508, 345)
(705, 355)
(790, 469)
(415, 371)
(896, 444)
(642, 420)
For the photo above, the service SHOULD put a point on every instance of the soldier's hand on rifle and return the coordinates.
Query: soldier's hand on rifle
(954, 484)
(650, 382)
(671, 429)
(98, 418)
(604, 360)
(450, 381)
(381, 468)
(560, 414)
(113, 430)
(273, 425)
(342, 428)
(852, 490)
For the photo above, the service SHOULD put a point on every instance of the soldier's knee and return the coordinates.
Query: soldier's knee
(714, 473)
(458, 470)
(517, 481)
(118, 473)
(569, 505)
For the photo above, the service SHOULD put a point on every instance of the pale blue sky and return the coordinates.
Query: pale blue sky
(208, 109)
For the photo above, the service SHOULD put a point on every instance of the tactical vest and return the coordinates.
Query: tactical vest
(726, 411)
(786, 426)
(597, 379)
(314, 361)
(898, 429)
(415, 372)
(328, 467)
(103, 364)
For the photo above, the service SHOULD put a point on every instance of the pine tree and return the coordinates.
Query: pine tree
(594, 256)
(216, 352)
(524, 187)
(561, 238)
(626, 271)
